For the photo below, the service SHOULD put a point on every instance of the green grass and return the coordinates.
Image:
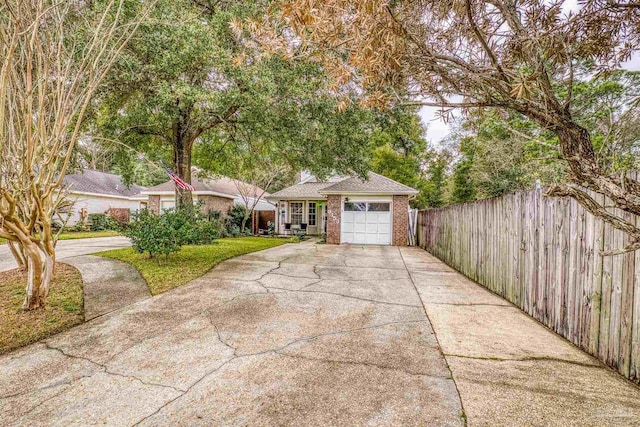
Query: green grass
(190, 262)
(63, 309)
(71, 235)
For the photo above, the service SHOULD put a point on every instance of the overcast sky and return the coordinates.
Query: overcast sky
(437, 129)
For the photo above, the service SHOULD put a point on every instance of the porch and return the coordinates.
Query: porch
(307, 215)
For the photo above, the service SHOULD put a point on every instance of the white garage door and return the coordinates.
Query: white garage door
(367, 223)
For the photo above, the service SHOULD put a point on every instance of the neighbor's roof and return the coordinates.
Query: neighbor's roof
(222, 185)
(96, 182)
(374, 184)
(311, 189)
(304, 190)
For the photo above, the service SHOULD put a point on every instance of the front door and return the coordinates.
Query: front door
(312, 217)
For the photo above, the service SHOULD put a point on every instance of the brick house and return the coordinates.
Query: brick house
(346, 209)
(218, 194)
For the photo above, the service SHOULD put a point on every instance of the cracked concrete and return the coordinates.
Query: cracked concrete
(509, 369)
(314, 335)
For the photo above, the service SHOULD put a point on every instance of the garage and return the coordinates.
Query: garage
(350, 210)
(366, 222)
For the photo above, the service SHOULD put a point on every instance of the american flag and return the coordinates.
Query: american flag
(179, 182)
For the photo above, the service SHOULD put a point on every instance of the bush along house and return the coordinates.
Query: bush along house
(346, 209)
(219, 195)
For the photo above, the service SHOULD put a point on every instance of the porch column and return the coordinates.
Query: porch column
(334, 213)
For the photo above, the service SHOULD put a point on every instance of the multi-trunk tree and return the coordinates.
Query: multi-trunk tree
(475, 54)
(53, 57)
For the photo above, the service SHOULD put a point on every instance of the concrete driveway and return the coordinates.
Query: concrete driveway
(70, 248)
(314, 335)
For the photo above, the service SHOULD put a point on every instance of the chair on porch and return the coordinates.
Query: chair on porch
(303, 228)
(287, 228)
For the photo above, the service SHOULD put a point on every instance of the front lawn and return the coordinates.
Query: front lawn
(191, 261)
(70, 235)
(64, 307)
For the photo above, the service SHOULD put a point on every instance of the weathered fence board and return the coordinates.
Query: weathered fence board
(543, 255)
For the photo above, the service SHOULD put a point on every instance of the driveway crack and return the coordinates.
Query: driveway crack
(346, 296)
(368, 364)
(528, 359)
(104, 368)
(274, 351)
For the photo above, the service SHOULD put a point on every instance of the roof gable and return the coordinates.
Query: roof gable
(302, 190)
(96, 182)
(375, 184)
(222, 185)
(312, 189)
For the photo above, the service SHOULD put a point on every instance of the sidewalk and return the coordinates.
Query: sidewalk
(108, 284)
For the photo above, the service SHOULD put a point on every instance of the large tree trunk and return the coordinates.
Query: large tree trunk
(182, 164)
(182, 145)
(577, 150)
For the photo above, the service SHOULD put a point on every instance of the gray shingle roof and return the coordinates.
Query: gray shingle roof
(222, 185)
(307, 190)
(92, 181)
(374, 184)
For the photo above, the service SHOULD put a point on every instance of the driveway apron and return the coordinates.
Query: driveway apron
(70, 248)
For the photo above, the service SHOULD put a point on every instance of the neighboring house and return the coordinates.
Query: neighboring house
(347, 209)
(93, 191)
(217, 195)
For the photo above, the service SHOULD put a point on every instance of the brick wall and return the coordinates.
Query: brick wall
(334, 212)
(400, 220)
(154, 204)
(215, 203)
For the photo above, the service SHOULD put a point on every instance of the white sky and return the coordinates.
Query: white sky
(437, 129)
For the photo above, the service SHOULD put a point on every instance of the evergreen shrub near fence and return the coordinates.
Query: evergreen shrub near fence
(543, 255)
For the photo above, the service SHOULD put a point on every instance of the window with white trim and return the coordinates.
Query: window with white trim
(312, 213)
(296, 212)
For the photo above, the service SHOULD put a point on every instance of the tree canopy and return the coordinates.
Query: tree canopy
(189, 87)
(521, 57)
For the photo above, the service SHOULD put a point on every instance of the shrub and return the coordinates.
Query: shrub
(193, 226)
(78, 227)
(98, 221)
(153, 234)
(231, 230)
(166, 233)
(236, 215)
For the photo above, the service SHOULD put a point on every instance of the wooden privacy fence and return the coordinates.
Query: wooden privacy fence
(543, 255)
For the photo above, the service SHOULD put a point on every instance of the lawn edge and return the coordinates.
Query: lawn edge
(102, 255)
(56, 330)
